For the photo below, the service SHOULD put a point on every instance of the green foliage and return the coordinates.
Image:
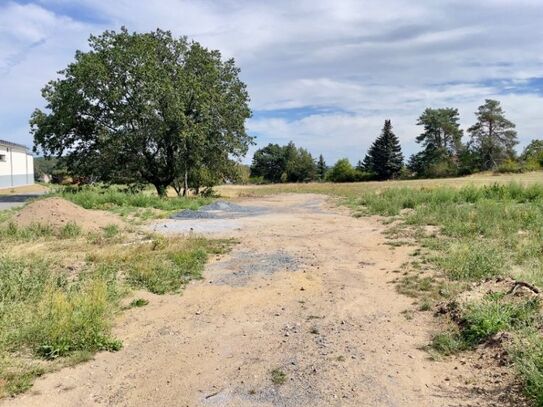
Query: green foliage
(448, 343)
(532, 156)
(509, 166)
(442, 142)
(125, 202)
(493, 137)
(321, 168)
(288, 163)
(163, 265)
(528, 360)
(49, 167)
(278, 377)
(70, 230)
(43, 311)
(472, 260)
(138, 302)
(496, 314)
(385, 158)
(343, 171)
(144, 108)
(166, 272)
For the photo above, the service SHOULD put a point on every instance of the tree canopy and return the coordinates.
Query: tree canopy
(384, 159)
(275, 163)
(493, 137)
(441, 140)
(144, 108)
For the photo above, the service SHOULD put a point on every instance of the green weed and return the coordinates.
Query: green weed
(278, 377)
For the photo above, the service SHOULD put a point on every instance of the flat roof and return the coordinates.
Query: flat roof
(11, 144)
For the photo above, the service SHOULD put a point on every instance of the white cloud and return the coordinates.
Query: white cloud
(354, 62)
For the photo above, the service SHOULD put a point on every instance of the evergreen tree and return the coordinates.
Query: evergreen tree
(385, 157)
(321, 168)
(493, 137)
(442, 142)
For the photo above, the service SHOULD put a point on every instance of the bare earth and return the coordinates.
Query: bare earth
(307, 291)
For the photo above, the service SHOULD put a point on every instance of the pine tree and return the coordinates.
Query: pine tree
(321, 168)
(493, 136)
(385, 157)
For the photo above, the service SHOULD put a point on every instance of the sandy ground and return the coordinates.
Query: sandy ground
(307, 291)
(18, 196)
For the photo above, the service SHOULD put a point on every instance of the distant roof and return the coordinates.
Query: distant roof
(11, 144)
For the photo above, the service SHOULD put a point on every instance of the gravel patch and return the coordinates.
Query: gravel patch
(219, 210)
(241, 266)
(187, 226)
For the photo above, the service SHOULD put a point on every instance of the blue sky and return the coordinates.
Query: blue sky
(323, 73)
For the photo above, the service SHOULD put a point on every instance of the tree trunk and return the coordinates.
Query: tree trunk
(161, 190)
(186, 183)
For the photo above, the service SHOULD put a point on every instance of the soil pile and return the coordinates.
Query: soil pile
(58, 212)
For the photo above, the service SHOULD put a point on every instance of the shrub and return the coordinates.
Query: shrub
(343, 171)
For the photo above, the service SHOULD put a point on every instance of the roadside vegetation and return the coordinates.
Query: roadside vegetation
(473, 235)
(135, 204)
(62, 288)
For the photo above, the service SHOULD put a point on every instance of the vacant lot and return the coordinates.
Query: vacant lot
(312, 306)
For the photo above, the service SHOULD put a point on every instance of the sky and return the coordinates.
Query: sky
(322, 73)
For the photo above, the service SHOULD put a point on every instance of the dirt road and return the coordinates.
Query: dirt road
(307, 293)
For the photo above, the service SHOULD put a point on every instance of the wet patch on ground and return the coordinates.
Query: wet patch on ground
(242, 266)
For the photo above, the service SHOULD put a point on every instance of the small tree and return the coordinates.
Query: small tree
(493, 137)
(385, 158)
(342, 171)
(321, 168)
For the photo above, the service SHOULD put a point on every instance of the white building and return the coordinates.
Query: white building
(16, 165)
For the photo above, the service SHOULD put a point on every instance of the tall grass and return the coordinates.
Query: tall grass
(488, 231)
(125, 202)
(61, 289)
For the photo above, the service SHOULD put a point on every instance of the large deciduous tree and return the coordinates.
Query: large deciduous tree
(385, 158)
(493, 137)
(144, 108)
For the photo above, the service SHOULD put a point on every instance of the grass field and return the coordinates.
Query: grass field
(356, 188)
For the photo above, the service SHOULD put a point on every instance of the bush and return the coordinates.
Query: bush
(343, 171)
(509, 166)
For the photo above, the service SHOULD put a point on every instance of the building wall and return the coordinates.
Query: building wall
(16, 167)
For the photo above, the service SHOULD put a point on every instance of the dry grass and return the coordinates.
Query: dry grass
(357, 188)
(26, 189)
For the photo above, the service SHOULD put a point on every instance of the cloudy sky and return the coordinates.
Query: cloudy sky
(324, 73)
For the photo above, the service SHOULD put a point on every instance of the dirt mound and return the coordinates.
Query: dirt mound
(58, 212)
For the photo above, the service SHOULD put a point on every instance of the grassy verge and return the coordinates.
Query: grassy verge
(140, 205)
(469, 235)
(61, 289)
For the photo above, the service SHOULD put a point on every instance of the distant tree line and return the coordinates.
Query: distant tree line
(491, 146)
